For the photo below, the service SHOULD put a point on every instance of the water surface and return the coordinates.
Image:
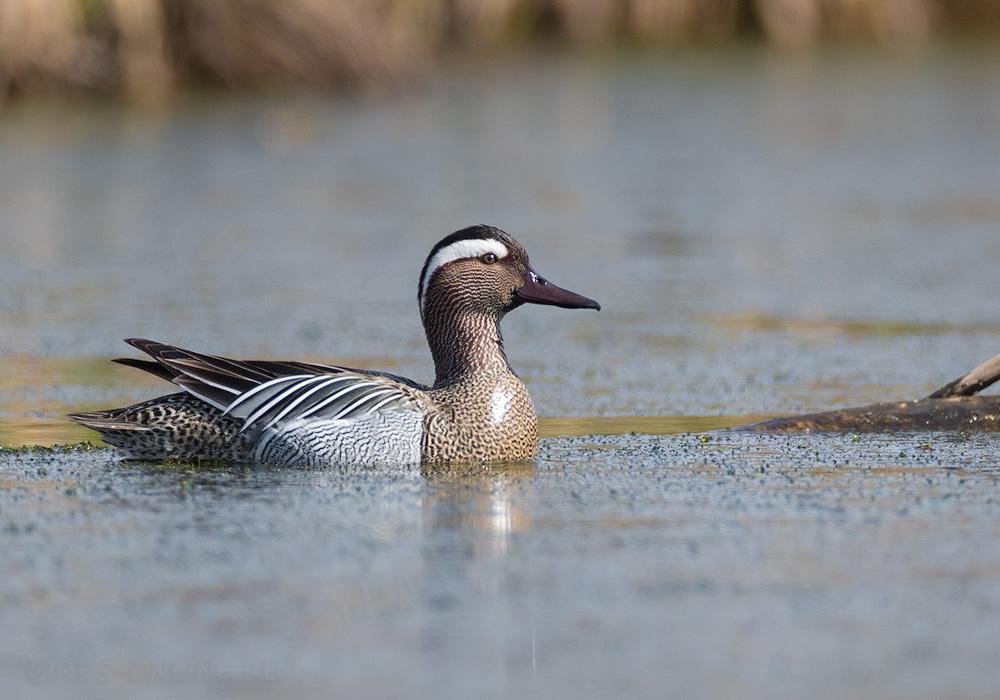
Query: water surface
(767, 234)
(743, 567)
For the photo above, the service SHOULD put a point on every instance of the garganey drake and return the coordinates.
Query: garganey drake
(297, 413)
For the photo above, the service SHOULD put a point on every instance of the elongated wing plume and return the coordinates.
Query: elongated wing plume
(214, 379)
(329, 397)
(265, 392)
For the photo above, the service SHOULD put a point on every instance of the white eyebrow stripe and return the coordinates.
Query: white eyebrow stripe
(458, 250)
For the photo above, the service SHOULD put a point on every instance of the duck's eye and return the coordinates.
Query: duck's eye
(488, 258)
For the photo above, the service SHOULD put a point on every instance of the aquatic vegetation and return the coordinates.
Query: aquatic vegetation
(36, 450)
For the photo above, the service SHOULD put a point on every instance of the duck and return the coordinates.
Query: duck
(295, 413)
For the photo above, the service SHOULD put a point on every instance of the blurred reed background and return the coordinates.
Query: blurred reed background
(144, 50)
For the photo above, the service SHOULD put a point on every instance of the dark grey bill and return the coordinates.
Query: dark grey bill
(537, 290)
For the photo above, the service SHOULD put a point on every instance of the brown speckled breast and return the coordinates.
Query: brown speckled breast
(482, 417)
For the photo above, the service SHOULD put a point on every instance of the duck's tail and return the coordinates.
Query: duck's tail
(176, 426)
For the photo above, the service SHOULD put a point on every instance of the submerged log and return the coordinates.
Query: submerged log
(955, 406)
(955, 413)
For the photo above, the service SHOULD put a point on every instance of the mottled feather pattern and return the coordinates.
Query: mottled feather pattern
(176, 426)
(376, 438)
(297, 413)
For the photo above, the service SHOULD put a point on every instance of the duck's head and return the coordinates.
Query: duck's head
(483, 269)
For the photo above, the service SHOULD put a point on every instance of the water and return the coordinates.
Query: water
(767, 234)
(742, 567)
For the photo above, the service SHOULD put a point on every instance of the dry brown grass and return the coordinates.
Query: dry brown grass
(144, 49)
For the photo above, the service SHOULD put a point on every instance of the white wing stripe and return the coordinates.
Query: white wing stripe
(242, 398)
(275, 384)
(201, 378)
(388, 399)
(305, 395)
(334, 397)
(270, 402)
(346, 411)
